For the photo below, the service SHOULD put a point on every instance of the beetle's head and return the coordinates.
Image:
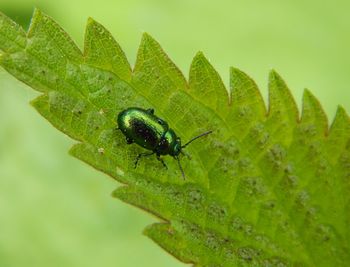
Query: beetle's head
(171, 143)
(176, 147)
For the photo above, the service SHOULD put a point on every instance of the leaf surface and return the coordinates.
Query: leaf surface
(264, 189)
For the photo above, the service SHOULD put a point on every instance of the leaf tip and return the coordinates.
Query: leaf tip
(147, 230)
(90, 21)
(308, 96)
(147, 37)
(32, 102)
(341, 111)
(72, 151)
(37, 12)
(233, 69)
(116, 193)
(312, 107)
(276, 82)
(156, 230)
(236, 72)
(122, 192)
(274, 76)
(341, 114)
(93, 23)
(148, 40)
(199, 54)
(36, 17)
(90, 25)
(36, 102)
(197, 59)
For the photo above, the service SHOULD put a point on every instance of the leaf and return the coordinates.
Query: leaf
(265, 189)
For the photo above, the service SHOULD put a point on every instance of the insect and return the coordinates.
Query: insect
(142, 127)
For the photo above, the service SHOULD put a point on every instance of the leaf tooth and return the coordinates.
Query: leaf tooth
(205, 84)
(103, 51)
(281, 101)
(47, 39)
(245, 91)
(339, 134)
(340, 124)
(141, 199)
(247, 104)
(171, 241)
(42, 62)
(100, 161)
(154, 74)
(339, 154)
(203, 247)
(282, 112)
(43, 106)
(313, 113)
(12, 36)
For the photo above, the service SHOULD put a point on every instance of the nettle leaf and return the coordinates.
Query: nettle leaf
(265, 189)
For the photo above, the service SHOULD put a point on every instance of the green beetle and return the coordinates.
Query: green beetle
(142, 127)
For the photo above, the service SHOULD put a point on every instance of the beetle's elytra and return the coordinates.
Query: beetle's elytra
(142, 127)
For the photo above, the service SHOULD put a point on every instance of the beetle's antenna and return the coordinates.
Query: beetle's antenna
(182, 171)
(194, 138)
(185, 154)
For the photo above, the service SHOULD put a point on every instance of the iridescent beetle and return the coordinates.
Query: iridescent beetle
(142, 127)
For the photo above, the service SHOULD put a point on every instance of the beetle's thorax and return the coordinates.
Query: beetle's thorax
(170, 144)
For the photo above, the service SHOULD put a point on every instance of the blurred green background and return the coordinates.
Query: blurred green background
(56, 211)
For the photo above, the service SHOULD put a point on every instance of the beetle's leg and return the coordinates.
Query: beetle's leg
(186, 154)
(162, 161)
(142, 155)
(181, 169)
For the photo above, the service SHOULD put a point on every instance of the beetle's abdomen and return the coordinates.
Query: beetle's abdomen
(142, 127)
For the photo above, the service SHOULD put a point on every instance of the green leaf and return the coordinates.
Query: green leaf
(264, 189)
